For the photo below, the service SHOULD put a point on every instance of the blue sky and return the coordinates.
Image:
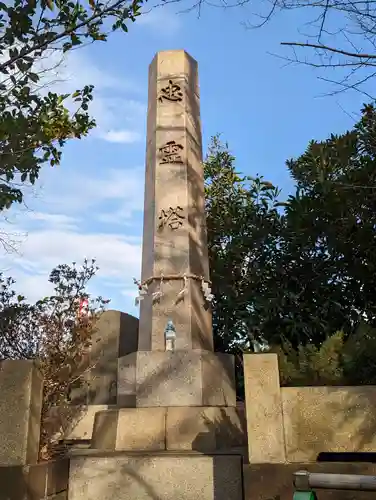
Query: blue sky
(91, 205)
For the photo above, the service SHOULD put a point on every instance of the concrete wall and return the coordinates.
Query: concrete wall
(295, 424)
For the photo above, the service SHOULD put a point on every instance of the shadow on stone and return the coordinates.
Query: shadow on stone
(354, 457)
(226, 481)
(229, 436)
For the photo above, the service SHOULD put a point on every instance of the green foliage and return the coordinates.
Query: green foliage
(310, 365)
(338, 361)
(243, 223)
(358, 358)
(302, 269)
(53, 333)
(35, 126)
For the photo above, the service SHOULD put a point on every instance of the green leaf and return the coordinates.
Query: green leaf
(33, 77)
(75, 39)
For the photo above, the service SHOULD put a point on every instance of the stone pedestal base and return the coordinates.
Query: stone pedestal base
(205, 429)
(179, 378)
(156, 477)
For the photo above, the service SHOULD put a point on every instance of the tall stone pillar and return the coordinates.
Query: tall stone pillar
(174, 239)
(182, 393)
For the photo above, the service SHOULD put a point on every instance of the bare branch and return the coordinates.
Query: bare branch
(330, 49)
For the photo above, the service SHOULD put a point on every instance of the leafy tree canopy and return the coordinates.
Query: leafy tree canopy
(302, 269)
(34, 125)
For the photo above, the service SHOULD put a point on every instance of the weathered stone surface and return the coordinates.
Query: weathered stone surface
(34, 482)
(130, 429)
(115, 335)
(264, 409)
(75, 423)
(174, 188)
(156, 477)
(205, 429)
(328, 419)
(21, 388)
(178, 378)
(126, 381)
(218, 379)
(184, 378)
(48, 478)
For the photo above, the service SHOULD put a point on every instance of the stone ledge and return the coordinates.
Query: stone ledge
(205, 429)
(90, 452)
(179, 378)
(151, 477)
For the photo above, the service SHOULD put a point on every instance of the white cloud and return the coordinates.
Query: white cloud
(89, 195)
(161, 20)
(118, 258)
(60, 220)
(118, 118)
(76, 69)
(112, 108)
(69, 224)
(121, 136)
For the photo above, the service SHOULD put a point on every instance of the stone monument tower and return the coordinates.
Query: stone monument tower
(176, 429)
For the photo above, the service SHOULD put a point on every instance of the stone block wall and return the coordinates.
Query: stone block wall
(21, 476)
(46, 480)
(21, 389)
(296, 424)
(287, 429)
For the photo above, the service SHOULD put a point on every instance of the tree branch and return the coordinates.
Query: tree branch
(65, 33)
(330, 49)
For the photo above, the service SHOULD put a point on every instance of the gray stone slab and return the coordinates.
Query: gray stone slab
(21, 389)
(126, 381)
(115, 336)
(265, 419)
(156, 477)
(75, 423)
(184, 378)
(191, 428)
(130, 429)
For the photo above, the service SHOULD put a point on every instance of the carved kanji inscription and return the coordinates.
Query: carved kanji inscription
(170, 152)
(172, 92)
(173, 217)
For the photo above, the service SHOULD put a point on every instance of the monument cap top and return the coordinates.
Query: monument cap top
(172, 51)
(172, 56)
